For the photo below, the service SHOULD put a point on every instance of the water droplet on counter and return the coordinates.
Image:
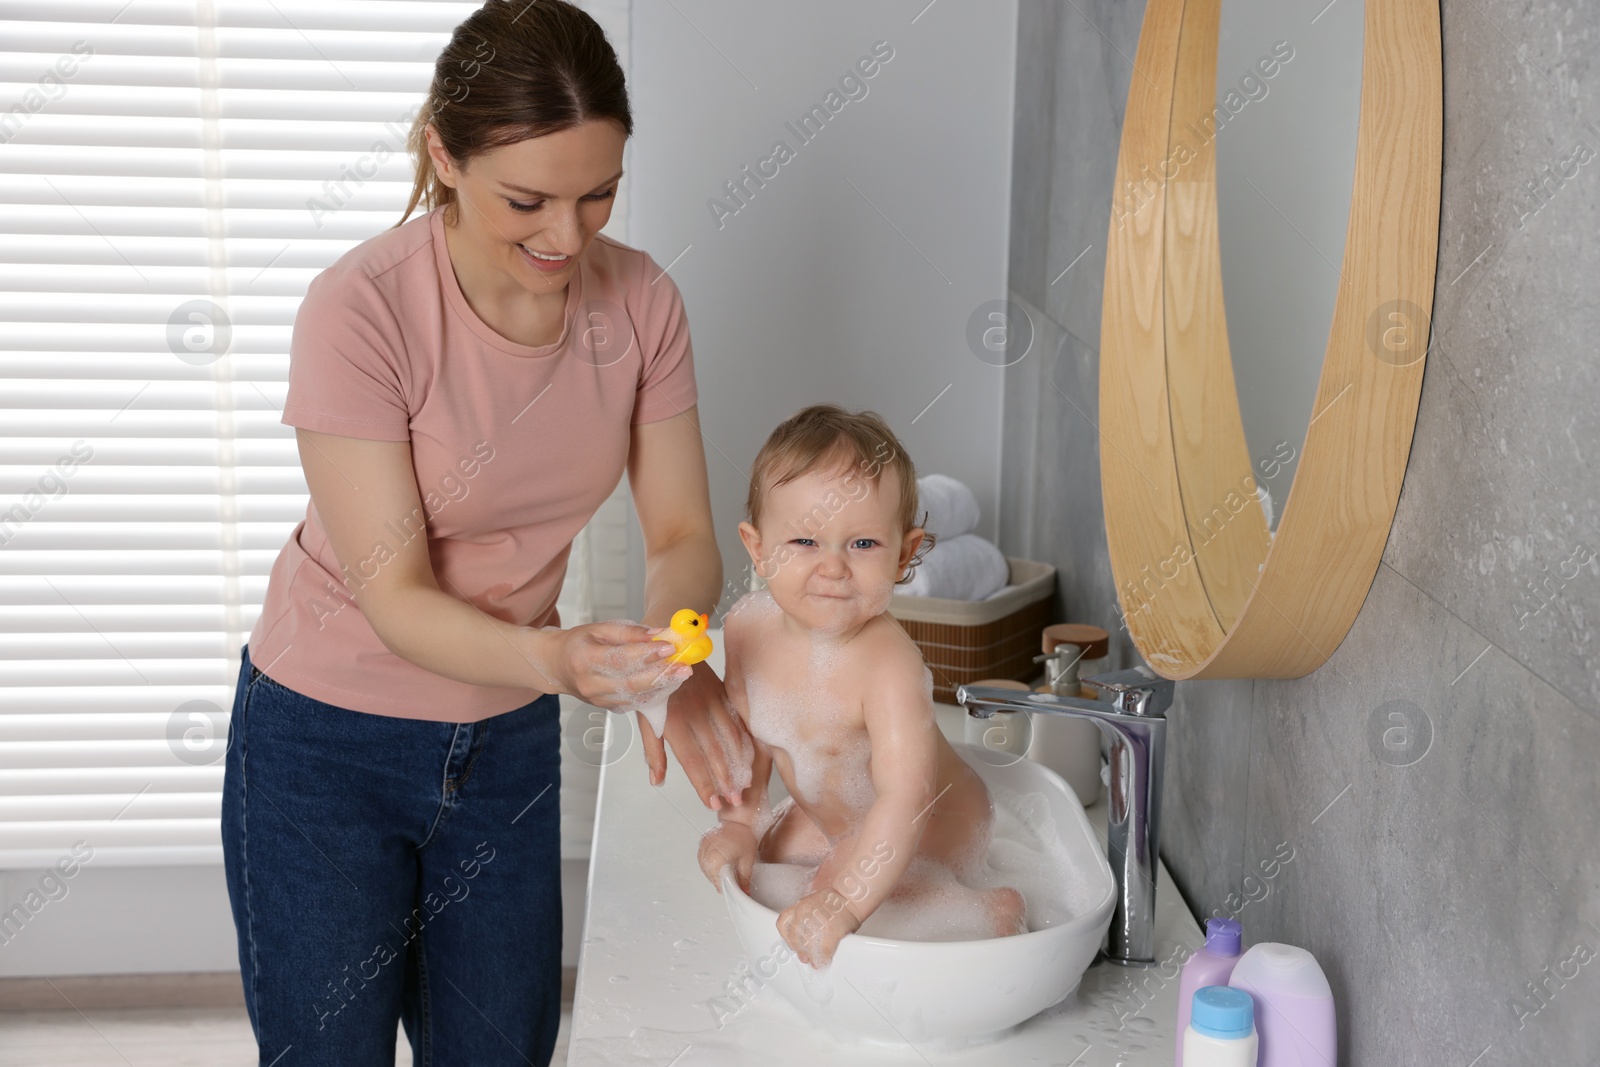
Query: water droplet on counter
(618, 979)
(683, 942)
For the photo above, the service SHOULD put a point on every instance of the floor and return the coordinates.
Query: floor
(169, 1037)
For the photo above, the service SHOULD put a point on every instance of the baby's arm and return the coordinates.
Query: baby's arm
(904, 764)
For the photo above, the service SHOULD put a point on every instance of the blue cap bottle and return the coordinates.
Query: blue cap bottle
(1222, 1030)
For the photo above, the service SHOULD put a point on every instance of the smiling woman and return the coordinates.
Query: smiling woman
(372, 749)
(507, 240)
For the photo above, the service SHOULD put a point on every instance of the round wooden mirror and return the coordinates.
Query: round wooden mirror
(1214, 579)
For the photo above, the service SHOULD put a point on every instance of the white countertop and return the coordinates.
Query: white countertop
(658, 946)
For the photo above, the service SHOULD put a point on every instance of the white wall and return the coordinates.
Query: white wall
(851, 276)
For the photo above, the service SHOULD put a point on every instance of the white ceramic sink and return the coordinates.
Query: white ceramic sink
(945, 993)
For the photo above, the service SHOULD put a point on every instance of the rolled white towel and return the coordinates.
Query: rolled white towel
(965, 567)
(951, 507)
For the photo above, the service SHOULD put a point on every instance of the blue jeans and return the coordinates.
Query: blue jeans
(382, 868)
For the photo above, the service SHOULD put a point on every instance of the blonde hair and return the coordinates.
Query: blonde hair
(827, 437)
(513, 70)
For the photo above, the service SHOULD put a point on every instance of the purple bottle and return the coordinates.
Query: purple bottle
(1212, 964)
(1294, 1005)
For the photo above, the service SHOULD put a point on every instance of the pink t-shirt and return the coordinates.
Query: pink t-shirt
(514, 448)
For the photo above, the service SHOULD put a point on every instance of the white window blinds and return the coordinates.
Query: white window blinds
(172, 175)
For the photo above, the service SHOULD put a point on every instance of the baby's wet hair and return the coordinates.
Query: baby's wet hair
(827, 437)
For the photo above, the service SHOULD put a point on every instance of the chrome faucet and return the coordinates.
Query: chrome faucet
(1135, 722)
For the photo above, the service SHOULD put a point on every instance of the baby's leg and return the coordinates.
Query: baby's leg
(793, 838)
(957, 837)
(931, 903)
(1005, 910)
(959, 826)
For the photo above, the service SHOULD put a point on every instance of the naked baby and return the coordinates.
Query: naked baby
(881, 809)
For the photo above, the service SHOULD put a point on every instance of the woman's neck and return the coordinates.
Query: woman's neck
(532, 319)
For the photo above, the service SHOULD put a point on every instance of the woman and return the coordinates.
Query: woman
(466, 388)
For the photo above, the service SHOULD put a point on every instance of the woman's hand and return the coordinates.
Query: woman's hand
(731, 843)
(709, 739)
(814, 925)
(611, 665)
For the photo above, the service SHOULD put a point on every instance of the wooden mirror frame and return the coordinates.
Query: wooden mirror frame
(1169, 418)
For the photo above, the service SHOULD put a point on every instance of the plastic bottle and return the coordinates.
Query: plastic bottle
(1221, 1030)
(1210, 965)
(1294, 1005)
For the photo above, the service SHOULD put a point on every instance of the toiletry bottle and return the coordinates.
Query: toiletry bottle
(1069, 746)
(1221, 1030)
(1210, 965)
(1294, 1005)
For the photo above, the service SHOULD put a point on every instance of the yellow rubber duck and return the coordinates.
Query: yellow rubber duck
(687, 631)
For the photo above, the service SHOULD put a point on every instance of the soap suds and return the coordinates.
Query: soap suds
(621, 662)
(1024, 853)
(775, 716)
(652, 703)
(654, 708)
(754, 605)
(737, 753)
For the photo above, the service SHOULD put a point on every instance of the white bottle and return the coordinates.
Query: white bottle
(1221, 1031)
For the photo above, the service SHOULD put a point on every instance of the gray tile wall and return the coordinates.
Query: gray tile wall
(1449, 882)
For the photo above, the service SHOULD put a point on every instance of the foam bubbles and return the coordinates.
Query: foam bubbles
(654, 708)
(823, 766)
(1026, 852)
(751, 607)
(934, 903)
(739, 753)
(779, 881)
(652, 703)
(829, 758)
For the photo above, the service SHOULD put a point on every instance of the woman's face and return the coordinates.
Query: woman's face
(548, 195)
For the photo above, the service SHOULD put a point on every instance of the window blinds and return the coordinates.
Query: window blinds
(172, 176)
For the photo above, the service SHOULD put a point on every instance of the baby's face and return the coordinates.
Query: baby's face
(830, 546)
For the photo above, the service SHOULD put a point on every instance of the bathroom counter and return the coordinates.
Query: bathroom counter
(661, 971)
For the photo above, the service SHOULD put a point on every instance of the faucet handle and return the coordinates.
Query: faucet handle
(1139, 690)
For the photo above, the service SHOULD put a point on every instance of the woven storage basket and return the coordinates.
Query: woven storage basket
(964, 641)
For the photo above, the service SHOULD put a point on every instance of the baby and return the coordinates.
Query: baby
(836, 695)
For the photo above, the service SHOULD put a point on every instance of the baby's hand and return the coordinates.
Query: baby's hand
(814, 925)
(729, 842)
